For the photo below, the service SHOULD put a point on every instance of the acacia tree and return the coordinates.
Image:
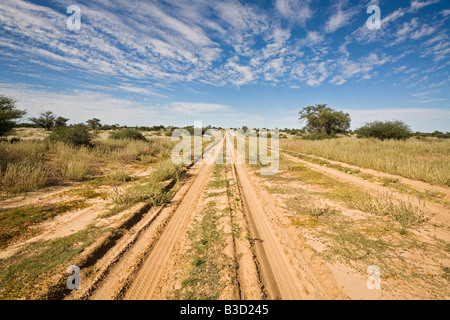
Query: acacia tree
(94, 123)
(9, 114)
(325, 120)
(45, 120)
(61, 122)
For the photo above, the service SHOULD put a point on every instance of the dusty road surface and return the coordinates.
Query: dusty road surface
(284, 276)
(139, 269)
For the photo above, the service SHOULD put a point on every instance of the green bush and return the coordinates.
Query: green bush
(77, 135)
(129, 133)
(397, 130)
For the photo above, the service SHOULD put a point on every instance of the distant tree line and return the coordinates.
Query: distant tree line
(322, 122)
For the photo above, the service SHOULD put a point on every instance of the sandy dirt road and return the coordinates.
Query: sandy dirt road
(141, 272)
(283, 275)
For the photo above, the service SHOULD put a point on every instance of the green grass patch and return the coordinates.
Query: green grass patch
(349, 246)
(152, 193)
(118, 175)
(88, 193)
(389, 181)
(203, 281)
(24, 274)
(165, 170)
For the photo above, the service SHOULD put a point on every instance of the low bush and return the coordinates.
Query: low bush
(77, 135)
(128, 133)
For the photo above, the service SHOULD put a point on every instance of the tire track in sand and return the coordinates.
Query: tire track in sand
(147, 279)
(283, 275)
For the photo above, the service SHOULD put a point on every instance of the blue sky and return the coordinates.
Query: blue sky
(226, 62)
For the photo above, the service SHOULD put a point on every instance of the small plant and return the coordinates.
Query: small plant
(88, 193)
(119, 176)
(154, 194)
(389, 181)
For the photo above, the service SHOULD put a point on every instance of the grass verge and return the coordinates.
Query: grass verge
(203, 281)
(18, 222)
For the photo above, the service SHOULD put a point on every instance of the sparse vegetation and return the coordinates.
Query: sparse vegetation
(45, 120)
(428, 161)
(164, 171)
(23, 275)
(18, 222)
(203, 281)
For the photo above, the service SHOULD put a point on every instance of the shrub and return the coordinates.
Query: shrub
(385, 130)
(77, 135)
(129, 133)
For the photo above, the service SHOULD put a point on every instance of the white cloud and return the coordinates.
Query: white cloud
(80, 106)
(423, 31)
(428, 100)
(316, 74)
(193, 108)
(339, 19)
(225, 42)
(338, 80)
(143, 91)
(315, 37)
(294, 10)
(416, 5)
